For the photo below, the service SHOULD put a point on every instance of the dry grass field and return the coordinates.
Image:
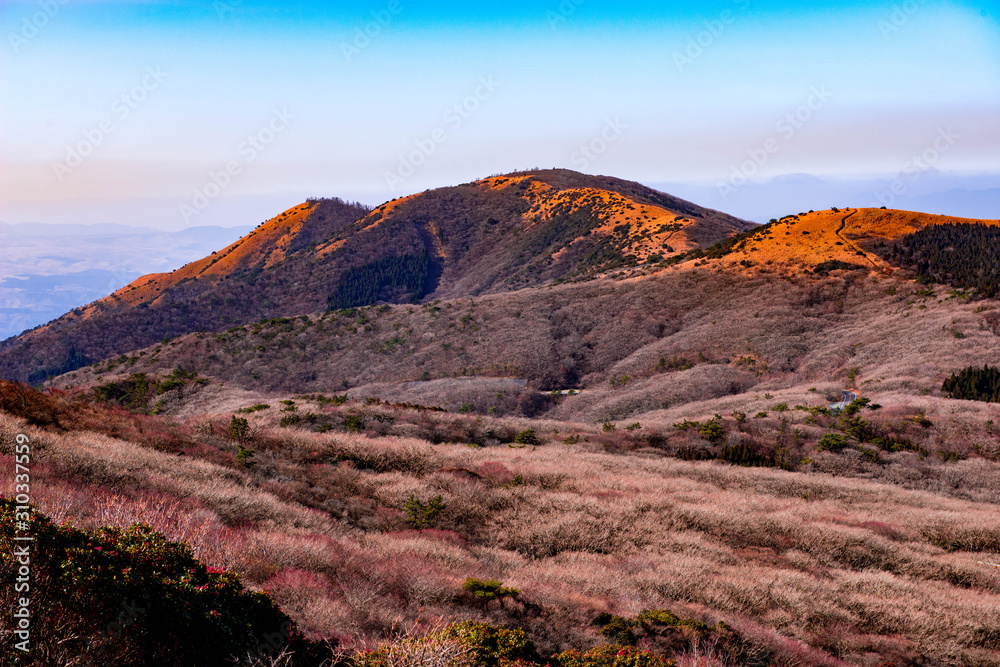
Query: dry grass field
(812, 568)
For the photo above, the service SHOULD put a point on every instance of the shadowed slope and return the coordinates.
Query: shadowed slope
(525, 229)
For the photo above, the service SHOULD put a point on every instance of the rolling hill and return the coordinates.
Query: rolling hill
(489, 236)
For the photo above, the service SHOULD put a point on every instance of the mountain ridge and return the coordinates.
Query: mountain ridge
(738, 311)
(487, 236)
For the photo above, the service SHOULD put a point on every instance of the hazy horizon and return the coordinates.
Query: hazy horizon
(193, 114)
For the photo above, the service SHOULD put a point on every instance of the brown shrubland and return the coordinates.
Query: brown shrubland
(816, 567)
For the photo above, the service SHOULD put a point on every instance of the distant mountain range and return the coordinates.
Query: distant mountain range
(929, 191)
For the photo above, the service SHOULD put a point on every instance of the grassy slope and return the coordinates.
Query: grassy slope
(741, 335)
(848, 235)
(858, 570)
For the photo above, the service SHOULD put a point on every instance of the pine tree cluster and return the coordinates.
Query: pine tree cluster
(965, 255)
(974, 384)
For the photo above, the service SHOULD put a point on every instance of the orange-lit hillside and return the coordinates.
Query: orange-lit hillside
(881, 224)
(649, 229)
(847, 235)
(263, 247)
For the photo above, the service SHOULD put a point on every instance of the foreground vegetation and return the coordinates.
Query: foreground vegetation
(126, 597)
(130, 598)
(371, 536)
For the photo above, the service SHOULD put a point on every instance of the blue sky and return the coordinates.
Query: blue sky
(225, 112)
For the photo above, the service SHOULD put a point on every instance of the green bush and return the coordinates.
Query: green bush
(244, 456)
(712, 431)
(491, 645)
(659, 617)
(619, 629)
(833, 442)
(182, 373)
(673, 364)
(656, 622)
(489, 590)
(290, 420)
(420, 515)
(253, 408)
(610, 655)
(239, 429)
(855, 406)
(179, 613)
(527, 437)
(132, 393)
(168, 385)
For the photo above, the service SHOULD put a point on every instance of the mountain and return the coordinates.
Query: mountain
(761, 442)
(493, 235)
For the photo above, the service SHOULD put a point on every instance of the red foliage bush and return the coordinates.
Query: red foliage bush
(496, 473)
(24, 401)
